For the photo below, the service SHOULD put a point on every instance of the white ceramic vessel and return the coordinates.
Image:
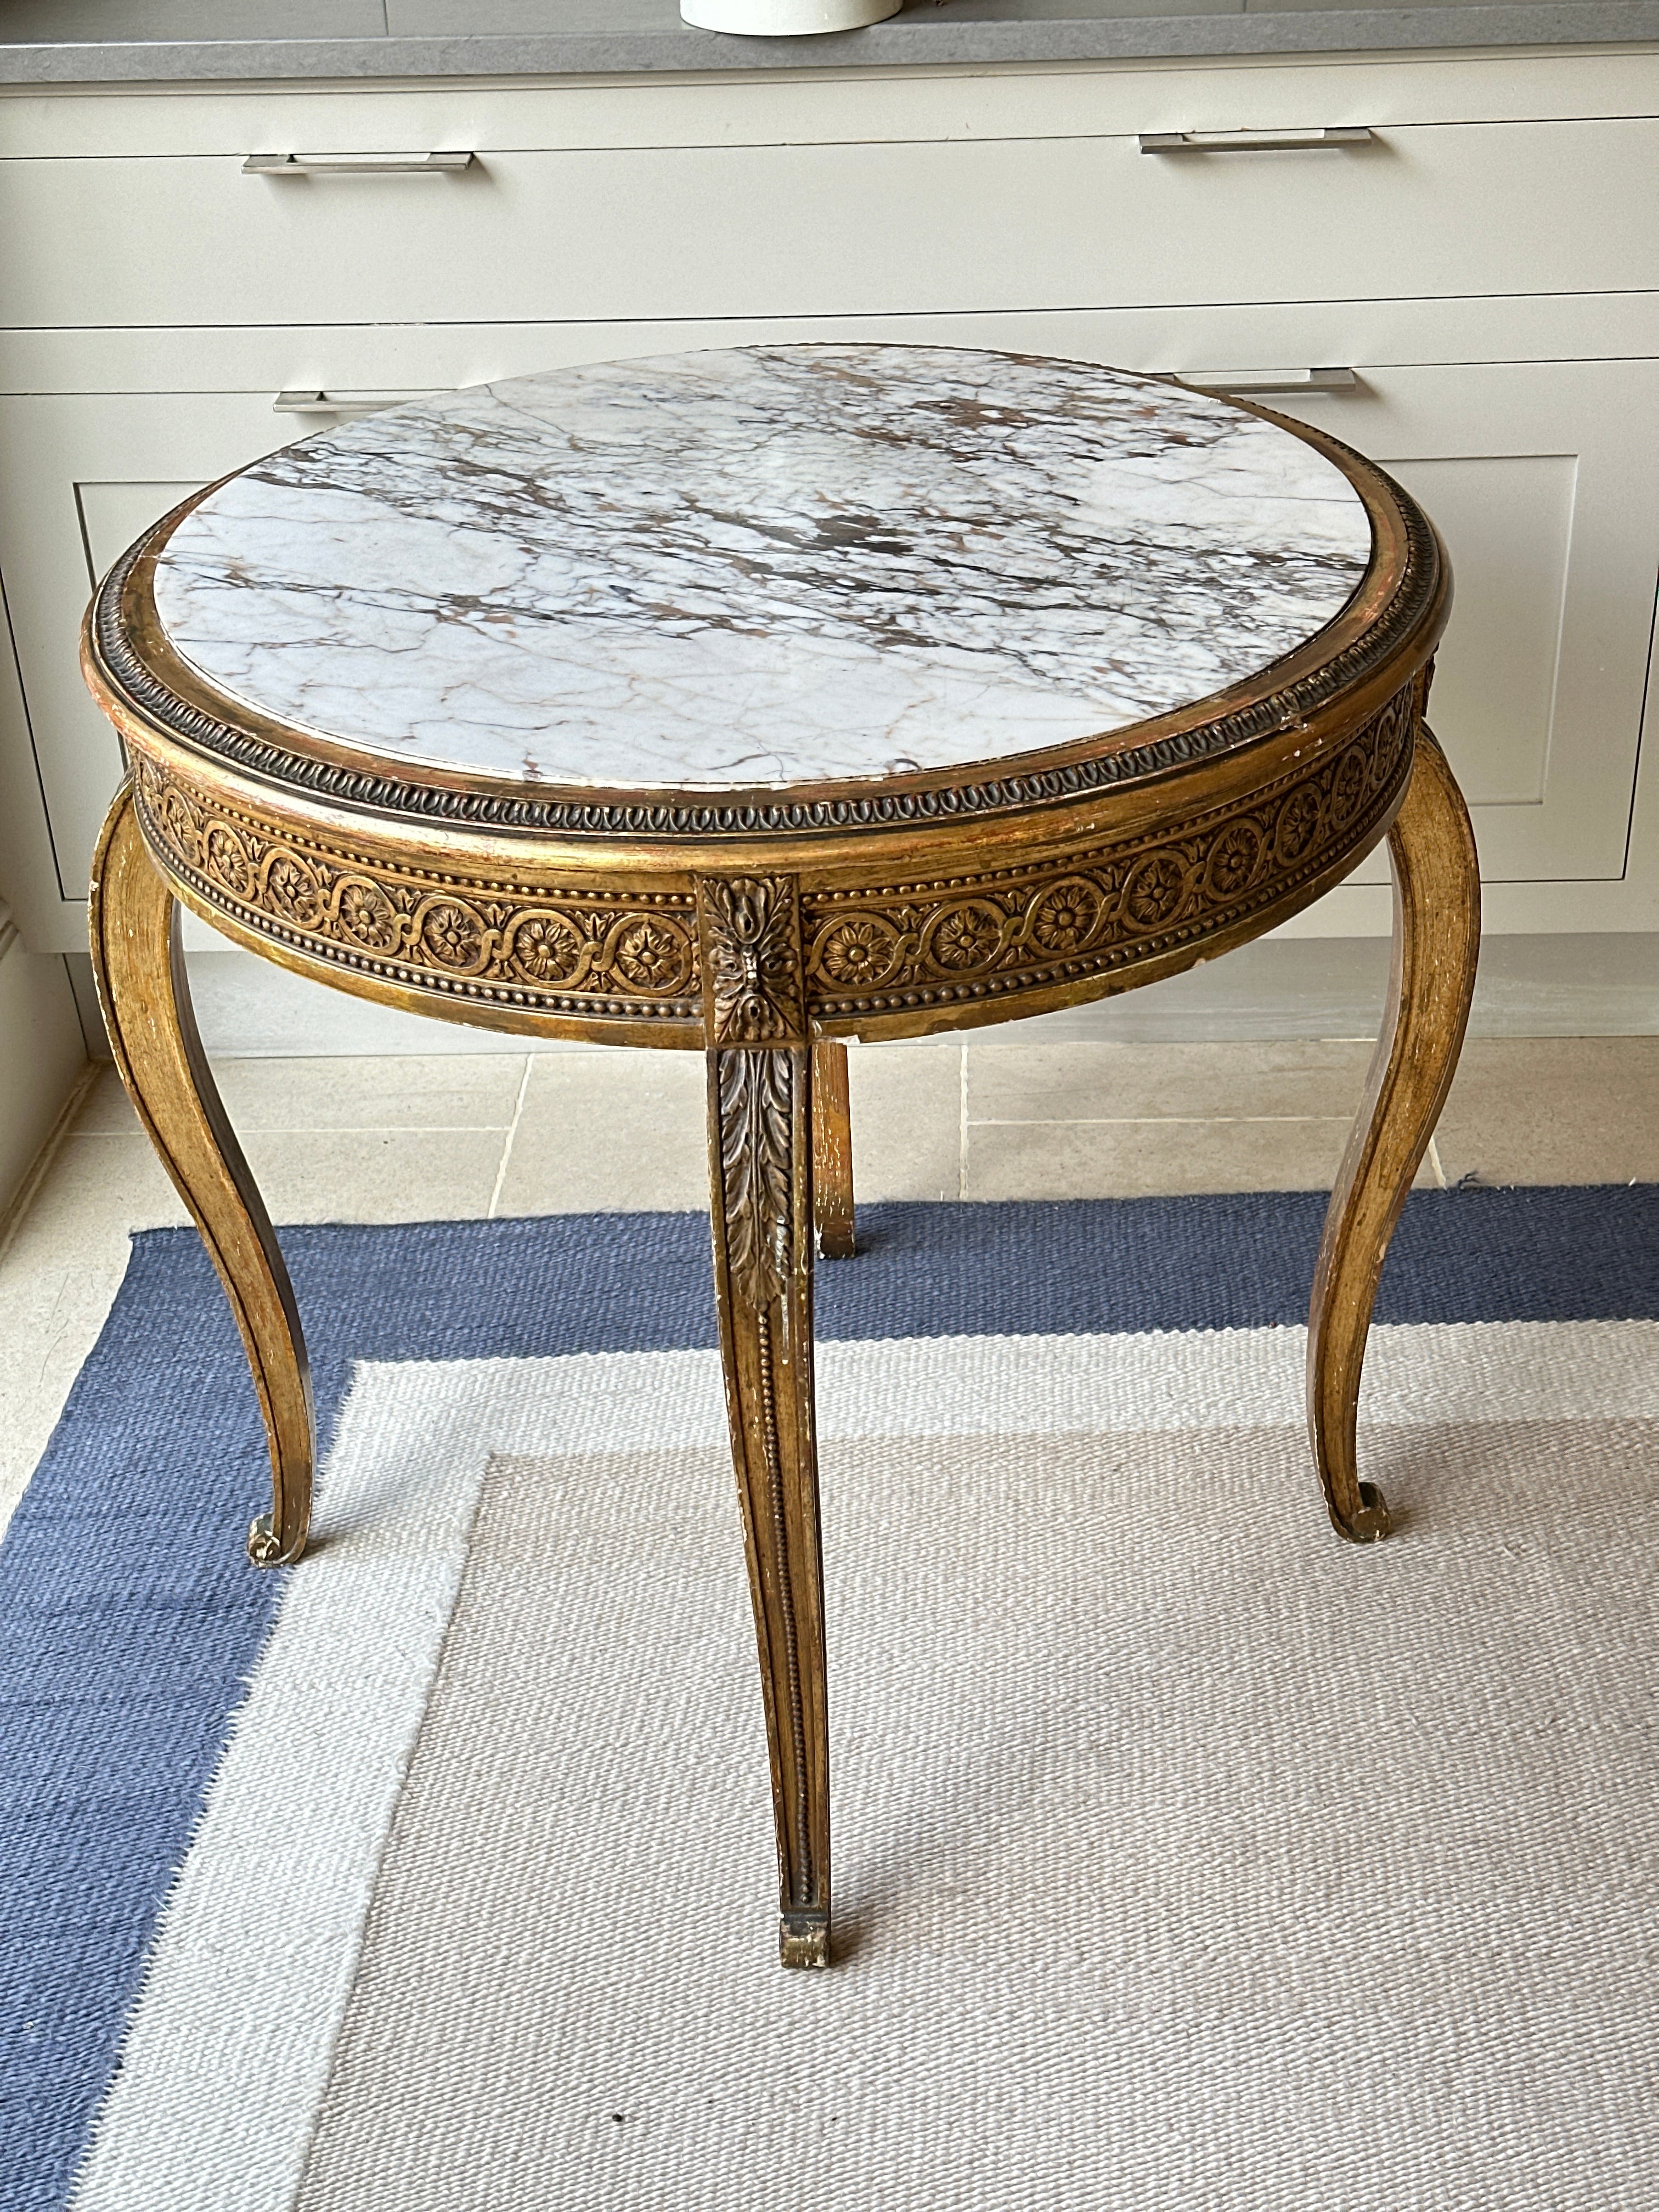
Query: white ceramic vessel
(786, 19)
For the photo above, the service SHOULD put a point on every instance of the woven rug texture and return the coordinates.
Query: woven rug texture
(1183, 1854)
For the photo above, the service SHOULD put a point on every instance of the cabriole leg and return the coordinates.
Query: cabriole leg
(760, 1142)
(1436, 941)
(832, 1149)
(139, 964)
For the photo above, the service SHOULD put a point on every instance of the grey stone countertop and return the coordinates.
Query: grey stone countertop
(162, 42)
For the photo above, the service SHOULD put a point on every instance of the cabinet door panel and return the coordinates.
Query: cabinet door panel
(1546, 492)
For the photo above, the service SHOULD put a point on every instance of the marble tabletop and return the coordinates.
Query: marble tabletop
(761, 567)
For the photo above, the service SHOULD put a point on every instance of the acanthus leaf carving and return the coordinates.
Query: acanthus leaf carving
(757, 1141)
(752, 959)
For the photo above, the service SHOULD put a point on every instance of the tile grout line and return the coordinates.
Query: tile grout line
(258, 1129)
(512, 1132)
(962, 1129)
(1171, 1122)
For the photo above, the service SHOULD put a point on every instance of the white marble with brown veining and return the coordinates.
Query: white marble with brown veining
(761, 566)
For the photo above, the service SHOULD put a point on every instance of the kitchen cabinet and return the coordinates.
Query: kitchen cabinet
(1486, 263)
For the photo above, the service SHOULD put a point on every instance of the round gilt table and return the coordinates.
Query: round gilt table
(744, 703)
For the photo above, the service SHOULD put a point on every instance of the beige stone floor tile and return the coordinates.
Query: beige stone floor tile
(1091, 1082)
(326, 1175)
(607, 1132)
(444, 1092)
(1553, 1110)
(375, 1174)
(1156, 1158)
(97, 1180)
(107, 1107)
(907, 1121)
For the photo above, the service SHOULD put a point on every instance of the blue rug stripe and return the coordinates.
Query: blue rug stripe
(128, 1624)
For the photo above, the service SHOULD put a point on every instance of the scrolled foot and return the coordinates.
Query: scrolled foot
(804, 1939)
(1372, 1523)
(1437, 940)
(262, 1548)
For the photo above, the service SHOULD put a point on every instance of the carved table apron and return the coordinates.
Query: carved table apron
(748, 702)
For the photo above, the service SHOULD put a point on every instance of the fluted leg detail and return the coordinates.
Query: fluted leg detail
(760, 1142)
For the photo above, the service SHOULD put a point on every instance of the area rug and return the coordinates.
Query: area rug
(1184, 1856)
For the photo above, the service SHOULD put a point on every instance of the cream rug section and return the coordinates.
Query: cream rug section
(1184, 1857)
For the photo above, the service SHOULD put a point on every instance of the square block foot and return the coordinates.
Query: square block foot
(804, 1939)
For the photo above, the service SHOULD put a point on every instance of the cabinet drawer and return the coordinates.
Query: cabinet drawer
(1537, 473)
(795, 107)
(678, 232)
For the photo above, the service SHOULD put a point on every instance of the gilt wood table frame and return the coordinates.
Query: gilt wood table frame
(762, 929)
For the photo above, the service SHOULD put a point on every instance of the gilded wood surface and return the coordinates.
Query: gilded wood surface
(588, 952)
(1071, 921)
(832, 1151)
(882, 956)
(141, 985)
(760, 1153)
(1436, 941)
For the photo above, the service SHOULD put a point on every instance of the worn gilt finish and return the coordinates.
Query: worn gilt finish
(832, 1151)
(760, 1153)
(764, 926)
(1437, 940)
(139, 961)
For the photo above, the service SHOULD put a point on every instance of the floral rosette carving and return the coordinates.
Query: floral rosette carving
(546, 948)
(1156, 891)
(653, 954)
(965, 936)
(481, 937)
(366, 917)
(860, 954)
(452, 937)
(292, 889)
(1234, 860)
(179, 821)
(1104, 908)
(225, 858)
(1064, 918)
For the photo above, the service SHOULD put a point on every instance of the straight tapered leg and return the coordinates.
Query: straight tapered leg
(1437, 942)
(760, 1144)
(832, 1151)
(139, 965)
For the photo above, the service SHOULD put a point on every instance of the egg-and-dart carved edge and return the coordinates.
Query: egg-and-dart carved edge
(1286, 708)
(945, 942)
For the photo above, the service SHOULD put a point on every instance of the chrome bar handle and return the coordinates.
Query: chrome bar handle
(1254, 142)
(355, 165)
(1229, 383)
(325, 403)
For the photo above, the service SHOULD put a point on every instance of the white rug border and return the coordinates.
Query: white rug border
(265, 1921)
